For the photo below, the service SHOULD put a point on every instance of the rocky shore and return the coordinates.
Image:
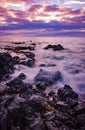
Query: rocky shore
(26, 106)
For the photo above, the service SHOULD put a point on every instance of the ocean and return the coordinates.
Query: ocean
(70, 61)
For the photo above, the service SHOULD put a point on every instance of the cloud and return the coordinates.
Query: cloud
(32, 14)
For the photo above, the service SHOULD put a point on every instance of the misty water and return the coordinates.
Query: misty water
(70, 62)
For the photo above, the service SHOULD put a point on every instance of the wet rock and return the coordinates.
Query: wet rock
(51, 93)
(17, 85)
(49, 115)
(29, 63)
(2, 89)
(81, 119)
(71, 102)
(48, 46)
(80, 108)
(67, 92)
(62, 106)
(41, 86)
(19, 48)
(42, 65)
(58, 47)
(47, 65)
(29, 54)
(16, 60)
(8, 101)
(51, 125)
(22, 76)
(38, 103)
(6, 65)
(55, 47)
(19, 43)
(71, 124)
(47, 77)
(37, 124)
(62, 116)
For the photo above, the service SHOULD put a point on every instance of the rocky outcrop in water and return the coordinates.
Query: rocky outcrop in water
(47, 77)
(6, 65)
(58, 47)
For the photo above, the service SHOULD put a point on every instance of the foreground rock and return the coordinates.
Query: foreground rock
(58, 47)
(26, 108)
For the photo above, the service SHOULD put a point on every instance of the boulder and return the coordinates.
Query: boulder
(67, 92)
(47, 77)
(51, 125)
(29, 63)
(58, 47)
(17, 85)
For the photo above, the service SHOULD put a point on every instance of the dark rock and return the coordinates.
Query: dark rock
(81, 119)
(58, 47)
(16, 60)
(51, 93)
(29, 63)
(29, 54)
(19, 48)
(62, 116)
(48, 46)
(71, 124)
(60, 105)
(22, 76)
(71, 102)
(42, 65)
(38, 103)
(41, 86)
(80, 108)
(54, 47)
(6, 65)
(47, 77)
(8, 102)
(16, 86)
(37, 124)
(67, 92)
(49, 115)
(51, 125)
(2, 90)
(19, 43)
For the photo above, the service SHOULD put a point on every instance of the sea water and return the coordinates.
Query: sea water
(70, 61)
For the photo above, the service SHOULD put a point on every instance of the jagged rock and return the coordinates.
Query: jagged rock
(29, 63)
(67, 92)
(62, 116)
(6, 65)
(54, 47)
(41, 86)
(51, 125)
(80, 108)
(29, 54)
(17, 85)
(81, 119)
(62, 106)
(51, 93)
(47, 77)
(8, 101)
(16, 60)
(38, 103)
(49, 115)
(19, 48)
(37, 124)
(22, 76)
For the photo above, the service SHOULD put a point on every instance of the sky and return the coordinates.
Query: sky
(42, 18)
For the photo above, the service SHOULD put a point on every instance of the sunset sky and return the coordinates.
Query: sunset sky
(42, 17)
